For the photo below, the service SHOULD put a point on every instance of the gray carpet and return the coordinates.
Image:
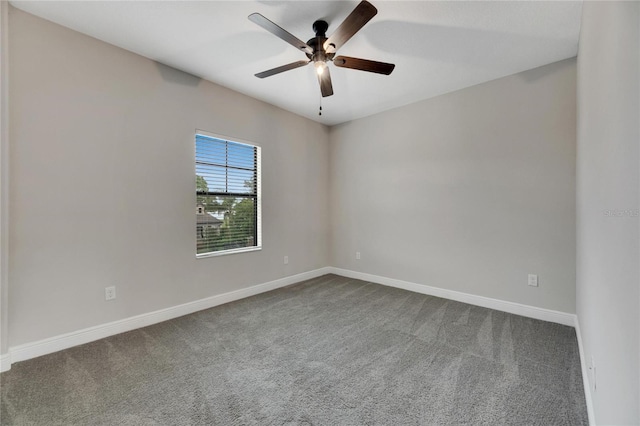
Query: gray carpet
(328, 351)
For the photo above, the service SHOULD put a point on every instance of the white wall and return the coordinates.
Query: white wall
(469, 191)
(102, 184)
(608, 302)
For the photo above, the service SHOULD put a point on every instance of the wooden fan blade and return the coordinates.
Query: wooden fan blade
(363, 65)
(325, 83)
(282, 68)
(280, 32)
(351, 25)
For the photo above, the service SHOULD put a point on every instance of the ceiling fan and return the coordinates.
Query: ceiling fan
(322, 49)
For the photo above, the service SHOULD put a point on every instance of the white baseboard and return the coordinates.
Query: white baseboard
(585, 377)
(486, 302)
(68, 340)
(5, 362)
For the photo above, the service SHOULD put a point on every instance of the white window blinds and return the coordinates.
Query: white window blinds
(227, 195)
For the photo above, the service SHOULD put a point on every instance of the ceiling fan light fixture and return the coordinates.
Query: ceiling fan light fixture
(320, 67)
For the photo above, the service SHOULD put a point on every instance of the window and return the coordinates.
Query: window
(227, 196)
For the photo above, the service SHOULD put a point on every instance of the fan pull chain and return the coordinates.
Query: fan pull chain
(320, 110)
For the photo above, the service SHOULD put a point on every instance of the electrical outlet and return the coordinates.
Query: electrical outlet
(286, 260)
(109, 293)
(357, 255)
(533, 280)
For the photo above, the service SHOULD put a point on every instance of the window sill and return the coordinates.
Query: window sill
(226, 252)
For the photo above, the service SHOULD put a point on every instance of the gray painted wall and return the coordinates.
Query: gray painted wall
(608, 302)
(4, 178)
(470, 191)
(102, 184)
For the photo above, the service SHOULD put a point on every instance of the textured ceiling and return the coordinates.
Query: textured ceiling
(438, 47)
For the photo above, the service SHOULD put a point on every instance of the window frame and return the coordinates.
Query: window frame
(258, 194)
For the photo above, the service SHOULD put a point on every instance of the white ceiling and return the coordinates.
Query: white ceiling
(437, 46)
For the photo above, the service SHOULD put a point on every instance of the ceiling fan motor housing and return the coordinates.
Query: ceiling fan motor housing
(317, 43)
